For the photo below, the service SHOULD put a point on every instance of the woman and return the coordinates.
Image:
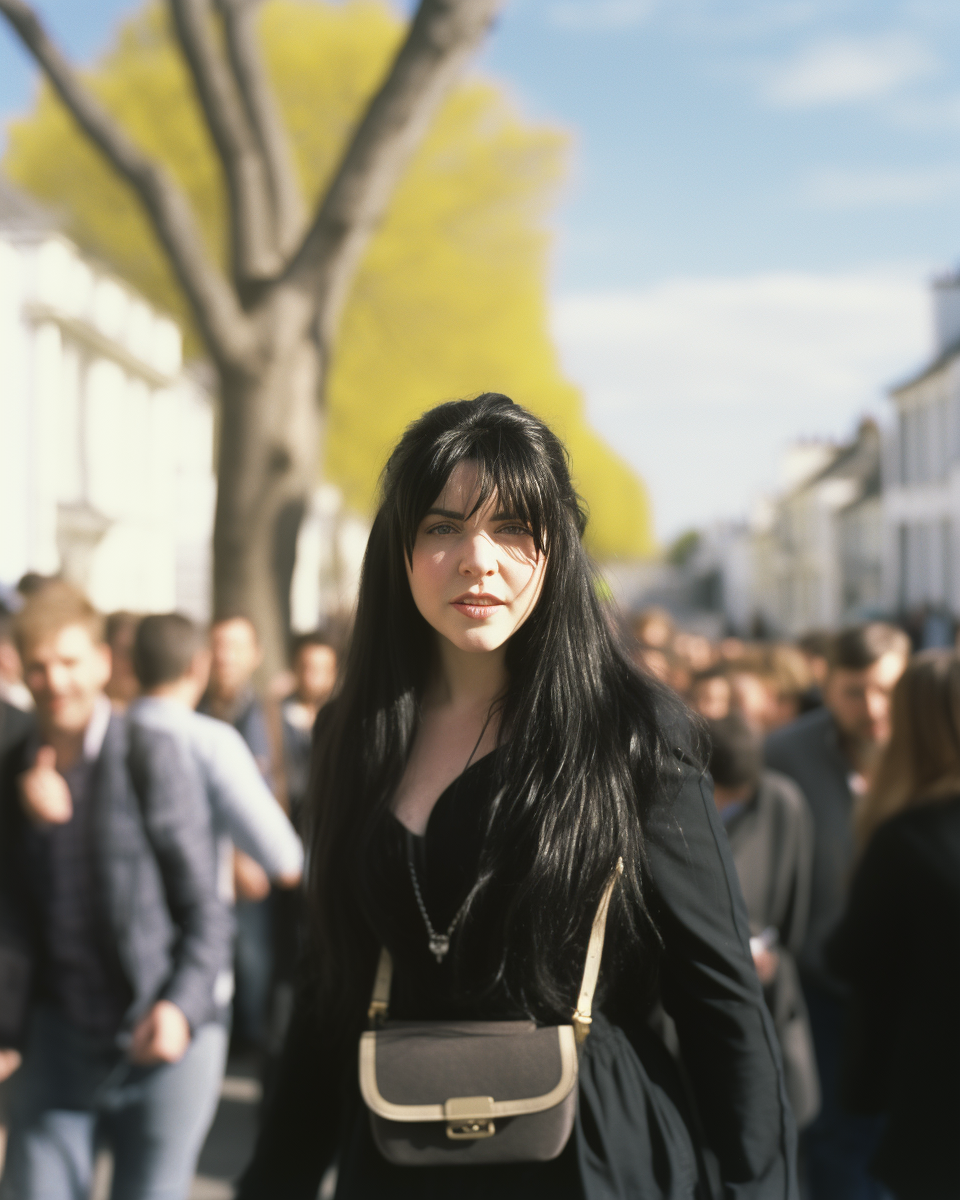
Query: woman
(899, 943)
(489, 756)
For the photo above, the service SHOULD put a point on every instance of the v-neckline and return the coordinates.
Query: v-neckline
(420, 837)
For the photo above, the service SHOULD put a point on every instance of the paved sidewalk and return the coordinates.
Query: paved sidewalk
(231, 1138)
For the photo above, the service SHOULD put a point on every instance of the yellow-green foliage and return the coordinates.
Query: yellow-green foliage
(450, 298)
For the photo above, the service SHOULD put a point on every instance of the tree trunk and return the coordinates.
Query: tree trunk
(269, 448)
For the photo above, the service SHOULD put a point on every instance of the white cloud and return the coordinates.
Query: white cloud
(845, 70)
(702, 383)
(843, 189)
(599, 15)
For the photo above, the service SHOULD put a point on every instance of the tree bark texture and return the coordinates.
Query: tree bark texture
(270, 325)
(269, 434)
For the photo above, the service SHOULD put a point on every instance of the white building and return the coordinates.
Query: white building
(921, 500)
(107, 443)
(106, 449)
(818, 545)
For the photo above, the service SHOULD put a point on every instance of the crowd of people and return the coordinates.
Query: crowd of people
(151, 803)
(150, 870)
(836, 770)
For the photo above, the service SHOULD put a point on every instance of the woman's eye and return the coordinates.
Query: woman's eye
(517, 530)
(442, 528)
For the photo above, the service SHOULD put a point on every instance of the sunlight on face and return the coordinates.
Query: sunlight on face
(476, 578)
(65, 672)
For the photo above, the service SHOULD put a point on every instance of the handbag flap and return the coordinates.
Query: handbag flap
(436, 1071)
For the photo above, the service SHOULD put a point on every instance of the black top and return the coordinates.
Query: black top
(83, 977)
(808, 750)
(635, 1133)
(899, 949)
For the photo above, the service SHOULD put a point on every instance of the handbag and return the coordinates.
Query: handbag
(446, 1093)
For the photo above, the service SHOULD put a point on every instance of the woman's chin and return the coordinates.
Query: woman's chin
(476, 641)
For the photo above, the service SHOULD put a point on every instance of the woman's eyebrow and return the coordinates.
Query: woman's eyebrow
(444, 512)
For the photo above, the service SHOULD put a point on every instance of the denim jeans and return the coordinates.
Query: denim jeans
(838, 1145)
(75, 1092)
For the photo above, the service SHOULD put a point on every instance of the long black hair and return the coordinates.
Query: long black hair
(583, 741)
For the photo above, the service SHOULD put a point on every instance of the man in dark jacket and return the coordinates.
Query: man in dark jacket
(771, 838)
(830, 753)
(107, 866)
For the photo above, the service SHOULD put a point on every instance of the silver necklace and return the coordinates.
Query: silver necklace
(439, 942)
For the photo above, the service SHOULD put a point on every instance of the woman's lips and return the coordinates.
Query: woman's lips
(476, 607)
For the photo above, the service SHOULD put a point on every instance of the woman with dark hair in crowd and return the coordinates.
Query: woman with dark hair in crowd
(898, 946)
(489, 756)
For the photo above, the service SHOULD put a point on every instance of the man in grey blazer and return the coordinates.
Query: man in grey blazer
(107, 866)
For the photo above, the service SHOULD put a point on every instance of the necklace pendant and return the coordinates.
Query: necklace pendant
(439, 945)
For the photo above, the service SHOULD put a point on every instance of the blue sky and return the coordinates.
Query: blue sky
(760, 192)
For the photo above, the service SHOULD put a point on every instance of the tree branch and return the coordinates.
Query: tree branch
(228, 333)
(441, 37)
(254, 251)
(264, 117)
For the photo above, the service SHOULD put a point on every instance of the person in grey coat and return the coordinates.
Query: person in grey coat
(771, 837)
(831, 754)
(107, 872)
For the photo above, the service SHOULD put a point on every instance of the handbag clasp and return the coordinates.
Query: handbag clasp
(469, 1118)
(470, 1130)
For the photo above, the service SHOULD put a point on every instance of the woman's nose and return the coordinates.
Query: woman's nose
(479, 556)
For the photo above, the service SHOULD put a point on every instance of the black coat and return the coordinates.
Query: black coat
(898, 948)
(154, 862)
(637, 1133)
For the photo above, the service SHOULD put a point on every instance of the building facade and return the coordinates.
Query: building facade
(921, 498)
(106, 458)
(818, 553)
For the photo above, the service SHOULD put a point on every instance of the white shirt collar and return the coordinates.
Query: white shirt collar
(97, 728)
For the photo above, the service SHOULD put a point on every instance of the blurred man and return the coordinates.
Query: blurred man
(315, 672)
(107, 862)
(235, 655)
(122, 686)
(710, 693)
(771, 837)
(830, 753)
(172, 665)
(230, 696)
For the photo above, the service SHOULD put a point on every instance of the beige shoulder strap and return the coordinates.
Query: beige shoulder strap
(582, 1017)
(380, 996)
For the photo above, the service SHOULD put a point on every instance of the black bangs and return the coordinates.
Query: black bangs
(515, 457)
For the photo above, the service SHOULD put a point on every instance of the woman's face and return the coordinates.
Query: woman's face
(476, 578)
